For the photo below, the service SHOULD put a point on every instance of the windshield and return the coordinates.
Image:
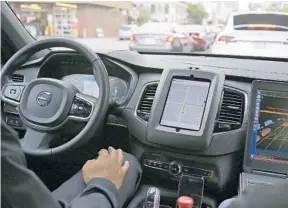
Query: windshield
(242, 28)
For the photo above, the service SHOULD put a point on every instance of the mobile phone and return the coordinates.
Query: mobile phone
(192, 186)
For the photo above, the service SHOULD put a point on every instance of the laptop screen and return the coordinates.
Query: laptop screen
(270, 127)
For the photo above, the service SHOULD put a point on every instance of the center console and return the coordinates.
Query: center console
(184, 108)
(173, 168)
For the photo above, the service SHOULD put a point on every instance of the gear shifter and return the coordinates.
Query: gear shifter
(152, 199)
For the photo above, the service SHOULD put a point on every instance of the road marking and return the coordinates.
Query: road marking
(276, 129)
(285, 138)
(275, 138)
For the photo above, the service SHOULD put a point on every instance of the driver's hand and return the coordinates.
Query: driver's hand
(108, 165)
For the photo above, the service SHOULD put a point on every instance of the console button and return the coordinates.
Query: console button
(207, 173)
(185, 170)
(175, 168)
(197, 171)
(148, 163)
(153, 164)
(165, 166)
(194, 171)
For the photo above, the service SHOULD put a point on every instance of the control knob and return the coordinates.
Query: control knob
(175, 168)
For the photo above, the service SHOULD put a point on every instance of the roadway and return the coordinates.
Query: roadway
(277, 140)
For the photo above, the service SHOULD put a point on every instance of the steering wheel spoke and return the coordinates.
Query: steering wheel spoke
(12, 93)
(82, 107)
(34, 141)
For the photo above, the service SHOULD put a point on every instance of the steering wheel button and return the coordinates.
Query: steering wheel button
(13, 122)
(13, 92)
(80, 108)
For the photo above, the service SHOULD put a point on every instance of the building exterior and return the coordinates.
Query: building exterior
(218, 11)
(171, 11)
(73, 19)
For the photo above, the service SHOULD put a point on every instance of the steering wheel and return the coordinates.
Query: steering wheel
(47, 105)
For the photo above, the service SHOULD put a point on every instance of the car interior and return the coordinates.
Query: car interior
(183, 116)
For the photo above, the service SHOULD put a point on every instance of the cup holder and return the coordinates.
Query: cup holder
(168, 199)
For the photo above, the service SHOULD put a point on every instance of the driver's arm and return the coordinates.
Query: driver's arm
(22, 188)
(99, 193)
(104, 177)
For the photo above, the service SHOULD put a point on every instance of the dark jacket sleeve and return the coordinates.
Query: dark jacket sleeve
(20, 187)
(99, 193)
(275, 196)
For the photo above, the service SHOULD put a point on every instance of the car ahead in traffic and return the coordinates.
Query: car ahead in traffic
(200, 36)
(254, 34)
(125, 31)
(159, 37)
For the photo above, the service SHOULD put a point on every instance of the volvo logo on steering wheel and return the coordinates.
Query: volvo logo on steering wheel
(44, 98)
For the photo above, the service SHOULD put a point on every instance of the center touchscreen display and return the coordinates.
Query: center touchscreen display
(185, 104)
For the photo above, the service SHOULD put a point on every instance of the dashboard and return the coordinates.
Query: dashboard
(183, 113)
(75, 69)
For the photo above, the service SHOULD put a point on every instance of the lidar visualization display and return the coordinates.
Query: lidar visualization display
(270, 130)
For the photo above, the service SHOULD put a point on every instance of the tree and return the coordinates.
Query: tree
(115, 12)
(273, 9)
(196, 13)
(117, 18)
(144, 15)
(130, 20)
(284, 9)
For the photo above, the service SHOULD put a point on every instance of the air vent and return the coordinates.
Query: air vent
(145, 104)
(230, 116)
(17, 78)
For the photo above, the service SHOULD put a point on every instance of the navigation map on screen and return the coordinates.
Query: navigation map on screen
(270, 130)
(185, 104)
